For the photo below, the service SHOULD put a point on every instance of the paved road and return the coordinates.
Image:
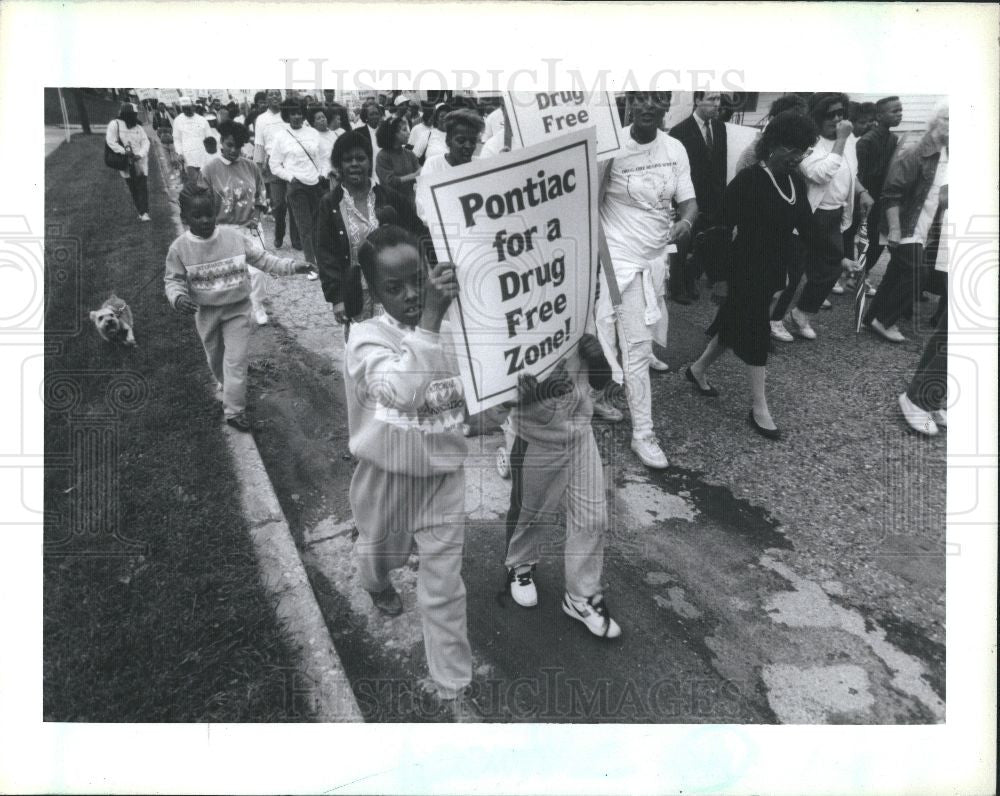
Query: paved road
(754, 582)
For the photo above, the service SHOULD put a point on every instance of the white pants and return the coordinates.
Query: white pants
(637, 343)
(394, 511)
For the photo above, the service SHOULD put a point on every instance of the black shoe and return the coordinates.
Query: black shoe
(240, 422)
(279, 242)
(770, 433)
(680, 298)
(387, 601)
(708, 392)
(297, 246)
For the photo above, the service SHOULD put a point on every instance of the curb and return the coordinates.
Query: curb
(282, 574)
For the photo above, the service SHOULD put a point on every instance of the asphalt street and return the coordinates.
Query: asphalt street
(761, 582)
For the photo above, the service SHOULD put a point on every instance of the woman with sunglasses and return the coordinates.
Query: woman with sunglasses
(833, 187)
(763, 203)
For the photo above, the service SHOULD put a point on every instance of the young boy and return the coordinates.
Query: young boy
(555, 463)
(406, 416)
(207, 276)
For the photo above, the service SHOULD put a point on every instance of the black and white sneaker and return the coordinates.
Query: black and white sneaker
(594, 613)
(522, 587)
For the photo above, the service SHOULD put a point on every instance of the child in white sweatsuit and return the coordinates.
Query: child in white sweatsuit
(406, 414)
(207, 276)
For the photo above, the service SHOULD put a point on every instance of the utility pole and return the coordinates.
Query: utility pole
(65, 114)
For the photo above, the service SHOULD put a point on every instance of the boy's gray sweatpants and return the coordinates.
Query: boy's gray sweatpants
(544, 479)
(391, 512)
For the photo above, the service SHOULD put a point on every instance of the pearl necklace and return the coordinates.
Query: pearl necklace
(775, 184)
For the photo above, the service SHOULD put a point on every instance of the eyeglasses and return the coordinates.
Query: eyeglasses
(833, 113)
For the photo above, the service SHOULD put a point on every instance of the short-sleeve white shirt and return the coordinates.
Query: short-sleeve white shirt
(637, 210)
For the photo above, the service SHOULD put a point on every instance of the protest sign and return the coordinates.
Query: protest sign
(541, 116)
(145, 93)
(521, 229)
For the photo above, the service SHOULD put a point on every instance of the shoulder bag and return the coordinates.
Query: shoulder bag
(116, 160)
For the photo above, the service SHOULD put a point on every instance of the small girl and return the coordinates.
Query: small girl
(207, 276)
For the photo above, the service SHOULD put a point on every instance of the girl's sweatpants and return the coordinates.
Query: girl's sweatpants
(225, 334)
(391, 512)
(546, 478)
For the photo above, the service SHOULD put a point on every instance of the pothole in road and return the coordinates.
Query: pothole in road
(808, 605)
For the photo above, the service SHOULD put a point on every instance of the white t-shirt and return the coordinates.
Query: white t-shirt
(419, 136)
(494, 124)
(422, 194)
(435, 145)
(637, 210)
(326, 142)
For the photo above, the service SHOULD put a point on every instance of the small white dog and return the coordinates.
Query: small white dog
(114, 321)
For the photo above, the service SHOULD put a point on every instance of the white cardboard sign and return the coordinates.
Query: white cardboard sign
(521, 229)
(541, 116)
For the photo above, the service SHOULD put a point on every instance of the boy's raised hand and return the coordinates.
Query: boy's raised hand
(186, 305)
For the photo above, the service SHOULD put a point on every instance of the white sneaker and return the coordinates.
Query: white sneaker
(802, 326)
(145, 217)
(779, 332)
(838, 289)
(650, 453)
(312, 276)
(604, 410)
(869, 289)
(522, 587)
(594, 614)
(826, 305)
(940, 418)
(892, 334)
(261, 317)
(655, 363)
(918, 419)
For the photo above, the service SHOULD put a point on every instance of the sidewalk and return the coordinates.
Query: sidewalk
(54, 136)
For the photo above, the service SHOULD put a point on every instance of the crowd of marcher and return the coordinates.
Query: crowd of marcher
(814, 200)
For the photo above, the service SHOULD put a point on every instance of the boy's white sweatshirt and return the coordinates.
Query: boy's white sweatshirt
(405, 405)
(213, 270)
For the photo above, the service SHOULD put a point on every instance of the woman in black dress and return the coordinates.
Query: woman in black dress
(763, 204)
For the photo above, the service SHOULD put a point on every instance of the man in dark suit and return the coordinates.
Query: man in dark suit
(704, 138)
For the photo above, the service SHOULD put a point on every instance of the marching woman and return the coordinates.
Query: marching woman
(462, 129)
(763, 203)
(239, 196)
(395, 165)
(295, 160)
(420, 132)
(348, 213)
(319, 120)
(435, 141)
(125, 136)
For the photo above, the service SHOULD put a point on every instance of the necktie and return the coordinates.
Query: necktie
(709, 141)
